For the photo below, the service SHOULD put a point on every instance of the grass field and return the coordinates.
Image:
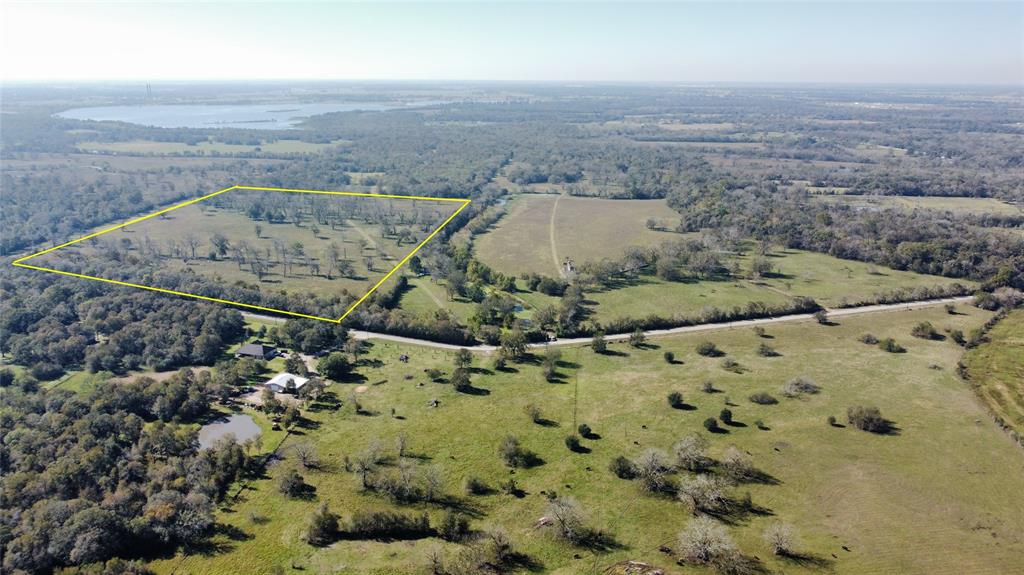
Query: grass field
(211, 148)
(951, 204)
(540, 231)
(939, 496)
(830, 281)
(996, 370)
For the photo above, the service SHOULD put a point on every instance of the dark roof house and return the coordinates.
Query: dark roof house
(256, 350)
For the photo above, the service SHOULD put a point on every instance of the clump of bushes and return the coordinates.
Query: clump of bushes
(622, 467)
(925, 330)
(868, 338)
(709, 349)
(868, 419)
(762, 398)
(799, 386)
(889, 344)
(515, 455)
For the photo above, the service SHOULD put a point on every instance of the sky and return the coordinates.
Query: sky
(917, 42)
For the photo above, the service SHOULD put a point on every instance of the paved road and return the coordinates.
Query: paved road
(836, 313)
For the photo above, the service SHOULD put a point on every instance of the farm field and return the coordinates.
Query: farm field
(861, 503)
(952, 204)
(210, 147)
(540, 231)
(996, 370)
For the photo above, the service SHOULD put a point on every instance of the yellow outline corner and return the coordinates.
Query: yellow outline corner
(464, 202)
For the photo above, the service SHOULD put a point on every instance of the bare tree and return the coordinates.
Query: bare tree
(781, 538)
(704, 540)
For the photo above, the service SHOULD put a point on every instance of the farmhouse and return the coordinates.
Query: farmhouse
(280, 382)
(257, 351)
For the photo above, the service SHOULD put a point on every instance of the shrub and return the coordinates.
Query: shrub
(670, 357)
(726, 416)
(950, 309)
(637, 338)
(584, 430)
(958, 337)
(622, 467)
(889, 344)
(831, 420)
(514, 454)
(925, 330)
(460, 380)
(292, 484)
(476, 486)
(762, 398)
(454, 527)
(711, 424)
(868, 339)
(675, 399)
(759, 331)
(573, 443)
(707, 387)
(598, 344)
(765, 350)
(799, 386)
(760, 424)
(323, 527)
(388, 525)
(821, 316)
(730, 364)
(534, 413)
(868, 419)
(709, 349)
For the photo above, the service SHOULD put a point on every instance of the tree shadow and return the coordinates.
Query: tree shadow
(614, 353)
(807, 560)
(545, 422)
(474, 390)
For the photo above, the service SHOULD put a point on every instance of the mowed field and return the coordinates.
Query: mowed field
(540, 231)
(358, 242)
(939, 496)
(996, 370)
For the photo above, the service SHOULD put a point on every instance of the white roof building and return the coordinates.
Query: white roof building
(279, 382)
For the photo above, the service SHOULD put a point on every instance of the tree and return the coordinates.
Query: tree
(296, 365)
(925, 330)
(652, 469)
(463, 359)
(821, 316)
(323, 527)
(704, 540)
(306, 455)
(259, 230)
(573, 443)
(220, 243)
(669, 357)
(711, 424)
(703, 492)
(781, 538)
(513, 344)
(637, 338)
(690, 453)
(598, 344)
(567, 517)
(549, 366)
(460, 380)
(709, 349)
(334, 366)
(454, 527)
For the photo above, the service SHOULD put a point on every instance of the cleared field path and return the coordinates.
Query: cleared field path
(365, 335)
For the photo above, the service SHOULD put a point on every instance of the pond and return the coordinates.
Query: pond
(277, 116)
(240, 425)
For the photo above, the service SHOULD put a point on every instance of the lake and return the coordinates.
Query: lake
(278, 116)
(240, 425)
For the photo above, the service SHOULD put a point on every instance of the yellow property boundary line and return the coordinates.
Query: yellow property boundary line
(464, 202)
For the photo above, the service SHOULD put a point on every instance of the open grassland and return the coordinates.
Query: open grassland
(950, 204)
(832, 281)
(541, 231)
(145, 147)
(941, 495)
(996, 370)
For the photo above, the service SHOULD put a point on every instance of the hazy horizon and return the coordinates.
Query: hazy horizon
(918, 43)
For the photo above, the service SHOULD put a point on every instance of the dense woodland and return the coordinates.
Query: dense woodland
(117, 472)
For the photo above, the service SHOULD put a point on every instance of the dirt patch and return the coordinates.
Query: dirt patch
(361, 389)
